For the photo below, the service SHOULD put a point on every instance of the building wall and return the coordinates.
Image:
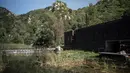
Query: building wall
(94, 37)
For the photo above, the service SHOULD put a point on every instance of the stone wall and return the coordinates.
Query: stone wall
(26, 52)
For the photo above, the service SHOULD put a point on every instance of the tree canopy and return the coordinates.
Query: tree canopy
(46, 26)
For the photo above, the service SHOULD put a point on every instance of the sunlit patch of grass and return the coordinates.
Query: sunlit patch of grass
(14, 46)
(77, 55)
(79, 61)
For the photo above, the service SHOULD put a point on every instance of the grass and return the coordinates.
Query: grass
(72, 61)
(13, 46)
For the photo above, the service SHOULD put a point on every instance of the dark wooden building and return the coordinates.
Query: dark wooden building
(93, 38)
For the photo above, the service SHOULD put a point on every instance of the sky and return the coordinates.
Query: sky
(24, 6)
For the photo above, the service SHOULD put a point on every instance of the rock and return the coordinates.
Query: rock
(58, 50)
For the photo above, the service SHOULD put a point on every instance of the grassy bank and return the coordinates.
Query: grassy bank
(72, 61)
(13, 46)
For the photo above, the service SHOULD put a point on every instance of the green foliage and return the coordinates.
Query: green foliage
(48, 25)
(6, 24)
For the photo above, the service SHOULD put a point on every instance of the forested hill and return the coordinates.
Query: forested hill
(47, 25)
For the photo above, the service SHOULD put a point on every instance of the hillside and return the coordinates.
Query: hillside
(46, 26)
(7, 19)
